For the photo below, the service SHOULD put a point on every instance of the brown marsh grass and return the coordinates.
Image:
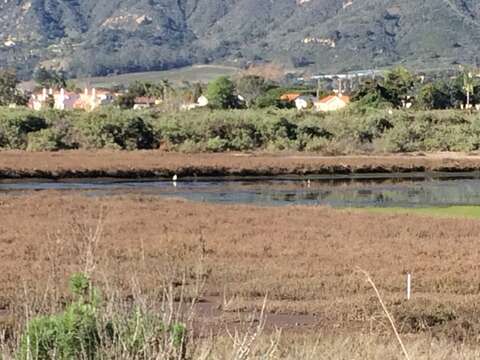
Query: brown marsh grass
(304, 259)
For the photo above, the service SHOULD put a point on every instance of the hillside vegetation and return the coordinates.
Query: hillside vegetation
(117, 36)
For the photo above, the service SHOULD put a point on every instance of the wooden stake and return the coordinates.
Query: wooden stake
(409, 286)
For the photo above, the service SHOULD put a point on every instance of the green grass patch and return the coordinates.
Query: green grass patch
(449, 212)
(197, 73)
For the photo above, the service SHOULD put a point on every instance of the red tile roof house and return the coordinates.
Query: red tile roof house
(332, 103)
(290, 97)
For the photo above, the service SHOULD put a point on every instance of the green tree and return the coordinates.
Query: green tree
(190, 92)
(398, 86)
(271, 98)
(72, 86)
(144, 88)
(9, 93)
(50, 78)
(435, 96)
(221, 93)
(371, 93)
(251, 87)
(456, 93)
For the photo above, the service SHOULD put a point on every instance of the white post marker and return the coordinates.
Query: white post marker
(409, 286)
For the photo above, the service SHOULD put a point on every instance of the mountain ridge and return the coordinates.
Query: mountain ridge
(116, 36)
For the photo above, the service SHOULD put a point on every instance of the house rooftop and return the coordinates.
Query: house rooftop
(290, 96)
(345, 99)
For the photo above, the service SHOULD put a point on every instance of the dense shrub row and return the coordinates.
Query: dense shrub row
(349, 131)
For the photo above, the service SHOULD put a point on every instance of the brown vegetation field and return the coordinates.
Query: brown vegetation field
(81, 163)
(305, 260)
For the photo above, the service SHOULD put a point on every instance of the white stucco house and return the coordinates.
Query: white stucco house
(304, 102)
(202, 101)
(67, 100)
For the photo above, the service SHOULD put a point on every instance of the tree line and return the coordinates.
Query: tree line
(396, 88)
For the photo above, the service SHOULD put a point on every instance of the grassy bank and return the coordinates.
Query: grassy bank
(354, 130)
(472, 212)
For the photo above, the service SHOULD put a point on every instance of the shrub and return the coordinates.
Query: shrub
(15, 127)
(281, 144)
(189, 146)
(44, 140)
(450, 138)
(277, 129)
(352, 130)
(68, 335)
(407, 134)
(316, 144)
(83, 331)
(216, 144)
(244, 138)
(174, 129)
(309, 131)
(3, 139)
(313, 127)
(122, 129)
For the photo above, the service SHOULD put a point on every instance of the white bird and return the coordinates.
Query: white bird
(175, 177)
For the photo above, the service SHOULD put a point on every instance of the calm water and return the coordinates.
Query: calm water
(340, 191)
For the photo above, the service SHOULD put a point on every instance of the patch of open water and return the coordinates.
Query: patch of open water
(364, 190)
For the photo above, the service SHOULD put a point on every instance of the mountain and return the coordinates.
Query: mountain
(100, 37)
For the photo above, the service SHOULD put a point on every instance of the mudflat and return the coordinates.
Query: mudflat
(80, 163)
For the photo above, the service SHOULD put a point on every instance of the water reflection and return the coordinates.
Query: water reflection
(339, 192)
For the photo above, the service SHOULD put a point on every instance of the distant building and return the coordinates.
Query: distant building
(39, 100)
(290, 97)
(407, 104)
(304, 102)
(189, 106)
(92, 99)
(65, 100)
(58, 99)
(332, 103)
(202, 101)
(68, 100)
(145, 102)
